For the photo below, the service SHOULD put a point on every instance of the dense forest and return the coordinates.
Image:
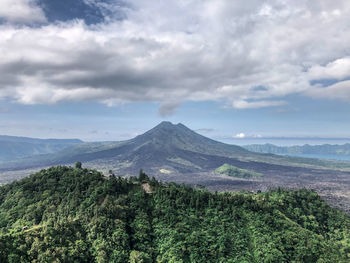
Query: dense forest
(66, 214)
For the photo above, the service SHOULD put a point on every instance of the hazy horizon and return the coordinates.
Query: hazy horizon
(238, 139)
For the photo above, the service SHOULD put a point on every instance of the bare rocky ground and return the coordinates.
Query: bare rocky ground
(10, 176)
(332, 186)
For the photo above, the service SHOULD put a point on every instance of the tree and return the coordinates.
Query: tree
(139, 257)
(143, 176)
(78, 165)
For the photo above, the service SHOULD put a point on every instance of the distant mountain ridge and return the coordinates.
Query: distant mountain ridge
(13, 147)
(324, 149)
(9, 138)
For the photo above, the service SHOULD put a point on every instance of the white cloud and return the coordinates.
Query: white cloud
(239, 135)
(21, 11)
(242, 104)
(243, 135)
(248, 55)
(338, 69)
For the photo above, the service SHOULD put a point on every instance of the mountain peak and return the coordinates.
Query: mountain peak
(169, 125)
(167, 133)
(165, 124)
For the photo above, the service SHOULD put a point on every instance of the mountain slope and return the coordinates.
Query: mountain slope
(158, 146)
(77, 215)
(170, 147)
(12, 147)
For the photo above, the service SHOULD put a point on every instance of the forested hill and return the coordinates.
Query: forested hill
(77, 215)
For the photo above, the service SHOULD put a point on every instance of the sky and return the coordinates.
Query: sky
(231, 70)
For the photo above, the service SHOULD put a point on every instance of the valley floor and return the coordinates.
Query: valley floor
(332, 186)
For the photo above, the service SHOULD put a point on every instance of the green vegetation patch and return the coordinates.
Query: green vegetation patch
(78, 215)
(234, 171)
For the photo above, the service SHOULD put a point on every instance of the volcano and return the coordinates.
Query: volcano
(167, 148)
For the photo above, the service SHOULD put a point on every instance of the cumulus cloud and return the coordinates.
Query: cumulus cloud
(246, 55)
(338, 69)
(23, 11)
